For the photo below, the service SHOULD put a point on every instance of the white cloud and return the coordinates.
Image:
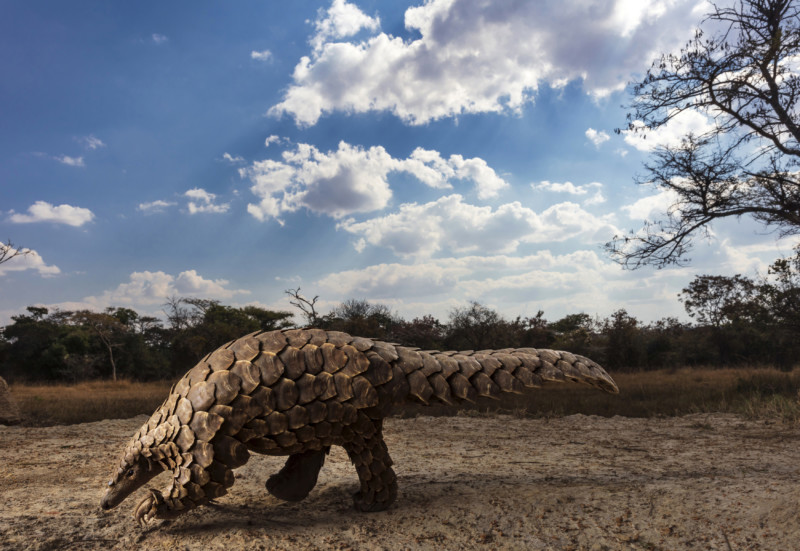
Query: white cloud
(353, 179)
(566, 187)
(473, 56)
(580, 281)
(487, 182)
(159, 38)
(651, 207)
(397, 280)
(433, 170)
(152, 288)
(272, 138)
(70, 161)
(560, 284)
(29, 261)
(232, 159)
(453, 225)
(430, 168)
(264, 55)
(570, 188)
(90, 142)
(341, 20)
(42, 211)
(596, 199)
(155, 206)
(671, 133)
(597, 138)
(201, 201)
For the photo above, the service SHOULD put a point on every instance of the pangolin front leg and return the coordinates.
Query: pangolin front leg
(299, 476)
(368, 452)
(189, 488)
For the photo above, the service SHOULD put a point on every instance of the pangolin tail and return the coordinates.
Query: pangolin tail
(452, 377)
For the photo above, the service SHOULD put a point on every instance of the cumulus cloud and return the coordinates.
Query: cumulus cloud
(517, 285)
(451, 224)
(671, 133)
(352, 179)
(570, 188)
(487, 182)
(201, 201)
(155, 206)
(151, 288)
(597, 138)
(558, 283)
(596, 199)
(264, 55)
(341, 20)
(32, 260)
(435, 171)
(651, 207)
(472, 56)
(566, 187)
(42, 211)
(70, 161)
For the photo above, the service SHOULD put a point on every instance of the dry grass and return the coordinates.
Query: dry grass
(85, 402)
(762, 392)
(758, 392)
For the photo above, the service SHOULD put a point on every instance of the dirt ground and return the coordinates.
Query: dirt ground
(696, 482)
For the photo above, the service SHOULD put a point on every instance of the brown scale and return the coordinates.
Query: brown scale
(298, 392)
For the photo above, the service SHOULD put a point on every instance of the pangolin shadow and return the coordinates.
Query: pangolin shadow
(333, 501)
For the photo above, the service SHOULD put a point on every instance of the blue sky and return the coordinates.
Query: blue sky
(416, 154)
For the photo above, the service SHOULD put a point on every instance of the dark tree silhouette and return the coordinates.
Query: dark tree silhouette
(9, 251)
(305, 305)
(744, 78)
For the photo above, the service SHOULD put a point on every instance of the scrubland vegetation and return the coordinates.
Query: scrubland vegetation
(738, 356)
(757, 393)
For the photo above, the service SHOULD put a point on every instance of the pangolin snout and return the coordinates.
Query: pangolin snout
(107, 503)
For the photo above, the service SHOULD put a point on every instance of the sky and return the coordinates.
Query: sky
(417, 154)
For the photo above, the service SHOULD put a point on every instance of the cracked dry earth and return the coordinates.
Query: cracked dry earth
(696, 482)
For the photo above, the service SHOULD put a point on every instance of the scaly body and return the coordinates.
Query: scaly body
(299, 392)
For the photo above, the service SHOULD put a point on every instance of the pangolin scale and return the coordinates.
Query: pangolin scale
(297, 393)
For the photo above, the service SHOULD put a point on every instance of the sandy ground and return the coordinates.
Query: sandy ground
(695, 482)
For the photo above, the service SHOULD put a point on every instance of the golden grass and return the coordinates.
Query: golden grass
(89, 401)
(761, 392)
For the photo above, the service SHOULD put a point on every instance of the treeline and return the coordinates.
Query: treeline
(739, 321)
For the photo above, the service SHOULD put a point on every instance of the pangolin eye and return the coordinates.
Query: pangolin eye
(130, 472)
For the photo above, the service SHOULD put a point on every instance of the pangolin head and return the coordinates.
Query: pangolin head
(134, 471)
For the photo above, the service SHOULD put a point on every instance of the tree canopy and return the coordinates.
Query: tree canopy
(739, 71)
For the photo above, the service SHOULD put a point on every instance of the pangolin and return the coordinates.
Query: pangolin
(297, 393)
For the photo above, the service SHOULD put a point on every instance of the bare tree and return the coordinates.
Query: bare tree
(745, 79)
(179, 316)
(9, 251)
(305, 305)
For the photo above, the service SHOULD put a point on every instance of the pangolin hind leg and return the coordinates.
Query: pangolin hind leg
(299, 476)
(368, 452)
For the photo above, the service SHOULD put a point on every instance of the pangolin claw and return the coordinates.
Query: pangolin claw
(146, 511)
